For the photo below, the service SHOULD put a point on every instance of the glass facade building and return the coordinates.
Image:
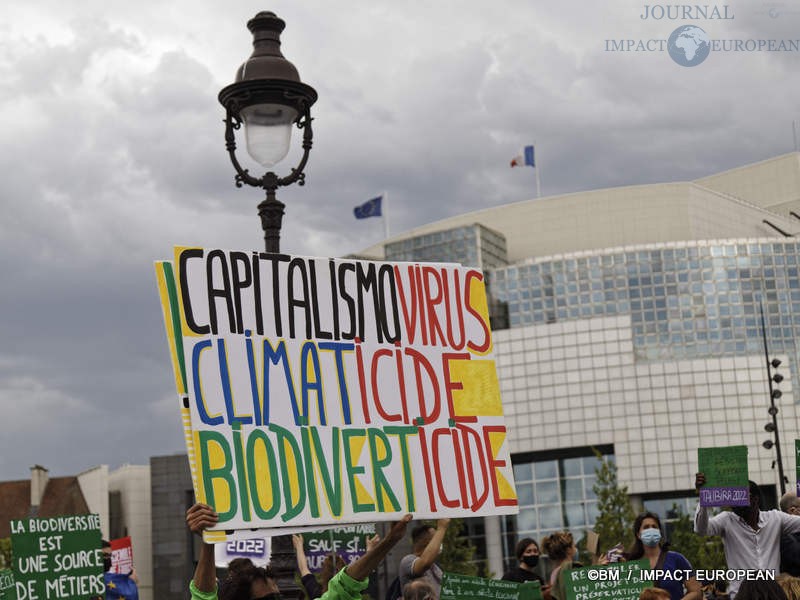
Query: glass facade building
(684, 302)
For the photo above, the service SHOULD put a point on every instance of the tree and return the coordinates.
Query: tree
(615, 520)
(5, 553)
(458, 554)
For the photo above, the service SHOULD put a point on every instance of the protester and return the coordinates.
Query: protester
(235, 567)
(426, 545)
(251, 582)
(118, 585)
(760, 590)
(654, 593)
(419, 590)
(790, 585)
(560, 548)
(790, 543)
(332, 564)
(527, 553)
(649, 544)
(347, 584)
(750, 536)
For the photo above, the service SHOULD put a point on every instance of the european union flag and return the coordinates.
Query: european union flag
(370, 208)
(120, 586)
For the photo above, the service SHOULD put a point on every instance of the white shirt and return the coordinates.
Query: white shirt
(744, 547)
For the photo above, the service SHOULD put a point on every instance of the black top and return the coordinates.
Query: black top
(521, 576)
(313, 588)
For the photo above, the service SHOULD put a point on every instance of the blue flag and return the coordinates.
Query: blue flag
(370, 208)
(119, 585)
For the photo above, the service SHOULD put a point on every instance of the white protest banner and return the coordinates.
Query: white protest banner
(331, 391)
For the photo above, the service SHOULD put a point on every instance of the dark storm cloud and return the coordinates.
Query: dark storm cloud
(113, 152)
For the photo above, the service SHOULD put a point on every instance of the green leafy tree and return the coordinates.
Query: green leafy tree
(615, 520)
(5, 553)
(458, 555)
(703, 552)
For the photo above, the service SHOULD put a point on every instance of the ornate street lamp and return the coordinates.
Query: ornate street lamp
(268, 97)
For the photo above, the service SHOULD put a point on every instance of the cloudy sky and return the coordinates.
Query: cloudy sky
(113, 152)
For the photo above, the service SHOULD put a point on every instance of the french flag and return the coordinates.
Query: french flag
(524, 159)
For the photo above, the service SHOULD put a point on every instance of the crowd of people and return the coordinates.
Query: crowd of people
(754, 541)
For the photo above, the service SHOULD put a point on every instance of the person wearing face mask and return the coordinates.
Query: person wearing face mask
(649, 544)
(527, 553)
(118, 585)
(750, 536)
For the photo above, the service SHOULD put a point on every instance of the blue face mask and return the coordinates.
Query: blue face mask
(650, 537)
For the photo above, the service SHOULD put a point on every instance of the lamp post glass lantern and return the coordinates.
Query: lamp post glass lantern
(268, 97)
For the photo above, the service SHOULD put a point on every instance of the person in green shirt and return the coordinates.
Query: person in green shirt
(347, 584)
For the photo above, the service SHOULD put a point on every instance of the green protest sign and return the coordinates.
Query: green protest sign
(621, 581)
(464, 587)
(7, 585)
(57, 557)
(348, 542)
(726, 476)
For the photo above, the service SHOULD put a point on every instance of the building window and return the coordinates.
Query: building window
(554, 493)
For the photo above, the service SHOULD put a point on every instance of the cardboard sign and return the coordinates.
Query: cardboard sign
(256, 549)
(465, 587)
(726, 476)
(121, 555)
(58, 557)
(348, 542)
(621, 581)
(319, 392)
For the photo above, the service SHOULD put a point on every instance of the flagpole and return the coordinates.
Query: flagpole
(538, 181)
(386, 215)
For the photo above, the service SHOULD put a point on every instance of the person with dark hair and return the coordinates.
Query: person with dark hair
(236, 566)
(419, 590)
(347, 584)
(426, 544)
(750, 536)
(760, 590)
(118, 585)
(332, 564)
(649, 543)
(527, 553)
(249, 583)
(560, 548)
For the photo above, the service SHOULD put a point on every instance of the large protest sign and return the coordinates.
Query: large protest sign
(725, 470)
(618, 581)
(57, 557)
(7, 591)
(321, 392)
(348, 542)
(465, 587)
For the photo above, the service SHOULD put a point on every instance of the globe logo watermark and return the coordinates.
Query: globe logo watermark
(689, 45)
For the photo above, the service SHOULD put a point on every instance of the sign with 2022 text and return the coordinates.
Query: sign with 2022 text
(327, 391)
